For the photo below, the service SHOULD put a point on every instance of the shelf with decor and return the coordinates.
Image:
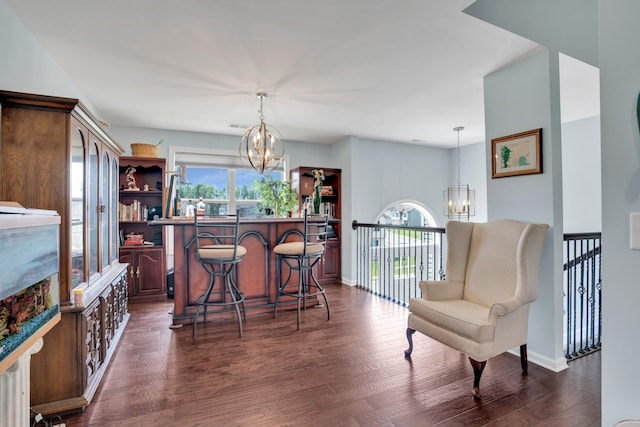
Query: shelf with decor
(302, 181)
(141, 183)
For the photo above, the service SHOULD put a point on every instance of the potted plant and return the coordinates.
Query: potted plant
(277, 196)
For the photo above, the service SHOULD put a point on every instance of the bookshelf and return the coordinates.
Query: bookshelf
(141, 183)
(302, 181)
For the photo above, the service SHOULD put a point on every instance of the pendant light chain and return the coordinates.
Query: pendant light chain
(458, 129)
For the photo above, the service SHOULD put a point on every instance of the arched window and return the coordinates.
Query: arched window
(409, 213)
(399, 255)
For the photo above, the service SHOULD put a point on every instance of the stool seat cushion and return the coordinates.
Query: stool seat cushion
(297, 248)
(221, 252)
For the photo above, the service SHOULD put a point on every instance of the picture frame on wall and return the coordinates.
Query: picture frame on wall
(517, 154)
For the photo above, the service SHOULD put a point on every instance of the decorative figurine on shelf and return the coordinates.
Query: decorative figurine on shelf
(131, 179)
(146, 187)
(306, 206)
(190, 212)
(200, 207)
(318, 176)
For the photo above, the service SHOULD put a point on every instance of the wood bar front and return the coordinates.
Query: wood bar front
(255, 275)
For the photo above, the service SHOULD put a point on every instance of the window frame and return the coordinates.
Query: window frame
(178, 151)
(217, 158)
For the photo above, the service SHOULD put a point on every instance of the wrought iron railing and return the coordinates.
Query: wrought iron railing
(582, 294)
(393, 259)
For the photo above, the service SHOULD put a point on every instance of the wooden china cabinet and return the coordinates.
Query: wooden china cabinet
(57, 156)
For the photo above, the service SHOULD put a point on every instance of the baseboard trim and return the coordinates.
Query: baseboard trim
(556, 365)
(348, 282)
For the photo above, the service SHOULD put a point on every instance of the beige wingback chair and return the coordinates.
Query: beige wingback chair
(482, 307)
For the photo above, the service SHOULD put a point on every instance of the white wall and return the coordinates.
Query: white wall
(619, 88)
(473, 171)
(521, 97)
(299, 153)
(581, 182)
(569, 26)
(341, 152)
(27, 67)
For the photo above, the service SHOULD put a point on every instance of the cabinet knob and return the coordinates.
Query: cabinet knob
(102, 208)
(131, 272)
(138, 272)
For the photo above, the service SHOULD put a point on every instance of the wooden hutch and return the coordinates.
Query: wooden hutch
(57, 156)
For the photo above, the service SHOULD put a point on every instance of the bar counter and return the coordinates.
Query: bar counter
(255, 275)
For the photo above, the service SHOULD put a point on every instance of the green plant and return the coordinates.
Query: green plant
(276, 195)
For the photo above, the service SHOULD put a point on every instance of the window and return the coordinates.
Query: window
(412, 251)
(221, 180)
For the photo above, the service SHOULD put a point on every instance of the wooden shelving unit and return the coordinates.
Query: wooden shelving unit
(302, 181)
(147, 278)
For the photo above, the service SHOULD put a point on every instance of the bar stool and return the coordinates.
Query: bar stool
(302, 256)
(218, 251)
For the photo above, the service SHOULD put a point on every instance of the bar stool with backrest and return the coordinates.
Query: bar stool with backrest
(302, 256)
(218, 251)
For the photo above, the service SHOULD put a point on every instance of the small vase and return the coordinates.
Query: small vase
(317, 199)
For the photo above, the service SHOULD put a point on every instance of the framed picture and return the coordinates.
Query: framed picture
(517, 154)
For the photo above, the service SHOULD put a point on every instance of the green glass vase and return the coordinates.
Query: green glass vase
(317, 199)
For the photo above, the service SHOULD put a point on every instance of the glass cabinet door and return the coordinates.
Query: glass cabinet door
(78, 144)
(104, 209)
(92, 225)
(113, 181)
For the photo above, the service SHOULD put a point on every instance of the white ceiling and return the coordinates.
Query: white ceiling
(407, 70)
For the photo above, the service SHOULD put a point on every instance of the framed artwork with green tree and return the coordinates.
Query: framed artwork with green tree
(517, 154)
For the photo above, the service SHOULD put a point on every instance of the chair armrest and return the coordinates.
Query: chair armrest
(505, 307)
(438, 290)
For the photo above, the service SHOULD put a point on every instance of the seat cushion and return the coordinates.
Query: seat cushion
(297, 248)
(221, 252)
(462, 317)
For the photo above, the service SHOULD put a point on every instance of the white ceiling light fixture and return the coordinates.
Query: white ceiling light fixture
(262, 145)
(459, 200)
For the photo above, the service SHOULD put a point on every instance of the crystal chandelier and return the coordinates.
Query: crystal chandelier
(261, 145)
(459, 200)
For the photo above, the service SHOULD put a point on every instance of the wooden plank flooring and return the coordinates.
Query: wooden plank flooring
(349, 371)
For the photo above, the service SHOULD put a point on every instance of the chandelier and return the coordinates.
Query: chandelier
(459, 200)
(261, 145)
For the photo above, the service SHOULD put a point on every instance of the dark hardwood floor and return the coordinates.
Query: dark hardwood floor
(349, 371)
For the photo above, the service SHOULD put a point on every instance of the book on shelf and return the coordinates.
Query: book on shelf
(133, 239)
(134, 211)
(326, 190)
(328, 208)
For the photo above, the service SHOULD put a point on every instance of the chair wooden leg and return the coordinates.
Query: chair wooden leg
(524, 361)
(407, 352)
(478, 367)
